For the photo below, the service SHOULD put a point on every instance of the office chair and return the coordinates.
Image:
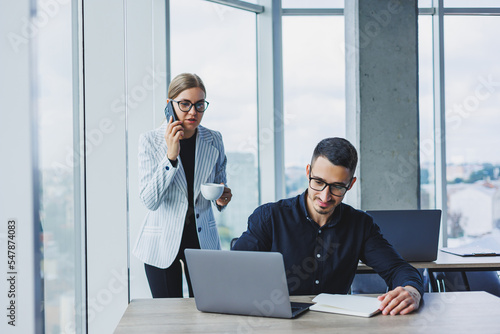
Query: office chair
(467, 281)
(373, 283)
(233, 241)
(368, 283)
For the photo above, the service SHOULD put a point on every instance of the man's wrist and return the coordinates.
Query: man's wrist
(414, 292)
(412, 288)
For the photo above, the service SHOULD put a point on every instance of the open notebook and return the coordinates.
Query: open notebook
(360, 306)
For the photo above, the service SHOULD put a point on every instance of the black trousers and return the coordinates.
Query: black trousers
(167, 283)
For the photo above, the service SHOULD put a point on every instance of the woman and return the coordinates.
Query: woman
(174, 160)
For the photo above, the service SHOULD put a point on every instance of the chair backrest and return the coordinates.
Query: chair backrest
(233, 241)
(368, 283)
(469, 281)
(484, 281)
(373, 283)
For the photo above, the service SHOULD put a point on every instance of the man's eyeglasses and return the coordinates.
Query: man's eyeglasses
(185, 106)
(336, 189)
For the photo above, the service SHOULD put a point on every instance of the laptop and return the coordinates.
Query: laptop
(241, 282)
(413, 233)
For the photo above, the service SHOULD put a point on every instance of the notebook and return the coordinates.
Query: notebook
(413, 233)
(241, 282)
(360, 306)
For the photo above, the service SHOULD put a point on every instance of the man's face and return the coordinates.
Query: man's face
(323, 202)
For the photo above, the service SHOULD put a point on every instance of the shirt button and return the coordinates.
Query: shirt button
(318, 255)
(316, 281)
(319, 231)
(199, 229)
(197, 215)
(167, 168)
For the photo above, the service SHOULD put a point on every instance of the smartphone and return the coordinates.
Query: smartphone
(169, 112)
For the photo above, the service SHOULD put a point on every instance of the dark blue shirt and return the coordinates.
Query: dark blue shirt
(324, 259)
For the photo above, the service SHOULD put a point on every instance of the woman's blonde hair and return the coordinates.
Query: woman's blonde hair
(184, 81)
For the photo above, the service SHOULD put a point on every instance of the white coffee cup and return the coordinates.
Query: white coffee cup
(212, 191)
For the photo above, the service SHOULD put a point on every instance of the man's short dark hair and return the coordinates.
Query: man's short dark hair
(338, 151)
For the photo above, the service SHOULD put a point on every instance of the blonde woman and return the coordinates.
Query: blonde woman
(174, 160)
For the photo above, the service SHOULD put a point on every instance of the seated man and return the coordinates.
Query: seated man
(322, 239)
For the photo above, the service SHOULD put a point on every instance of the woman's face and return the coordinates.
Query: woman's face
(191, 119)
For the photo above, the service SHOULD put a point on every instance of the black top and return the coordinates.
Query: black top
(187, 154)
(324, 259)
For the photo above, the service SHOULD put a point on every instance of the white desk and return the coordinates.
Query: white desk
(451, 312)
(450, 262)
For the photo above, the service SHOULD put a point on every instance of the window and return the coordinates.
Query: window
(314, 90)
(466, 3)
(219, 44)
(472, 78)
(59, 160)
(426, 113)
(472, 121)
(312, 4)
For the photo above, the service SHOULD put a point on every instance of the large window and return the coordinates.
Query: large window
(471, 97)
(219, 44)
(426, 113)
(312, 4)
(468, 3)
(314, 90)
(58, 162)
(472, 82)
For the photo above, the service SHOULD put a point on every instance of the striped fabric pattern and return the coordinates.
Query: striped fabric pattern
(163, 190)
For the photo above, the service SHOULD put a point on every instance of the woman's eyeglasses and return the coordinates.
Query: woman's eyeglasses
(185, 106)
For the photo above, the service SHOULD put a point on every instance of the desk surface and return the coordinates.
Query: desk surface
(447, 262)
(449, 312)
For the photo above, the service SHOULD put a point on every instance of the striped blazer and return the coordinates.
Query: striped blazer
(163, 190)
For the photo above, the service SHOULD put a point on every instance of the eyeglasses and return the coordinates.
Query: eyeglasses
(336, 189)
(185, 106)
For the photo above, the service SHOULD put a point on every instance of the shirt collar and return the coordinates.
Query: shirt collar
(334, 219)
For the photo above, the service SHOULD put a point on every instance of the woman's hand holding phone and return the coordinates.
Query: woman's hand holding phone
(173, 135)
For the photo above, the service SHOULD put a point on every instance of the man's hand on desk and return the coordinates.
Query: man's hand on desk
(402, 300)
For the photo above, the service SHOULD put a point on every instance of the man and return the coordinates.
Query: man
(322, 239)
